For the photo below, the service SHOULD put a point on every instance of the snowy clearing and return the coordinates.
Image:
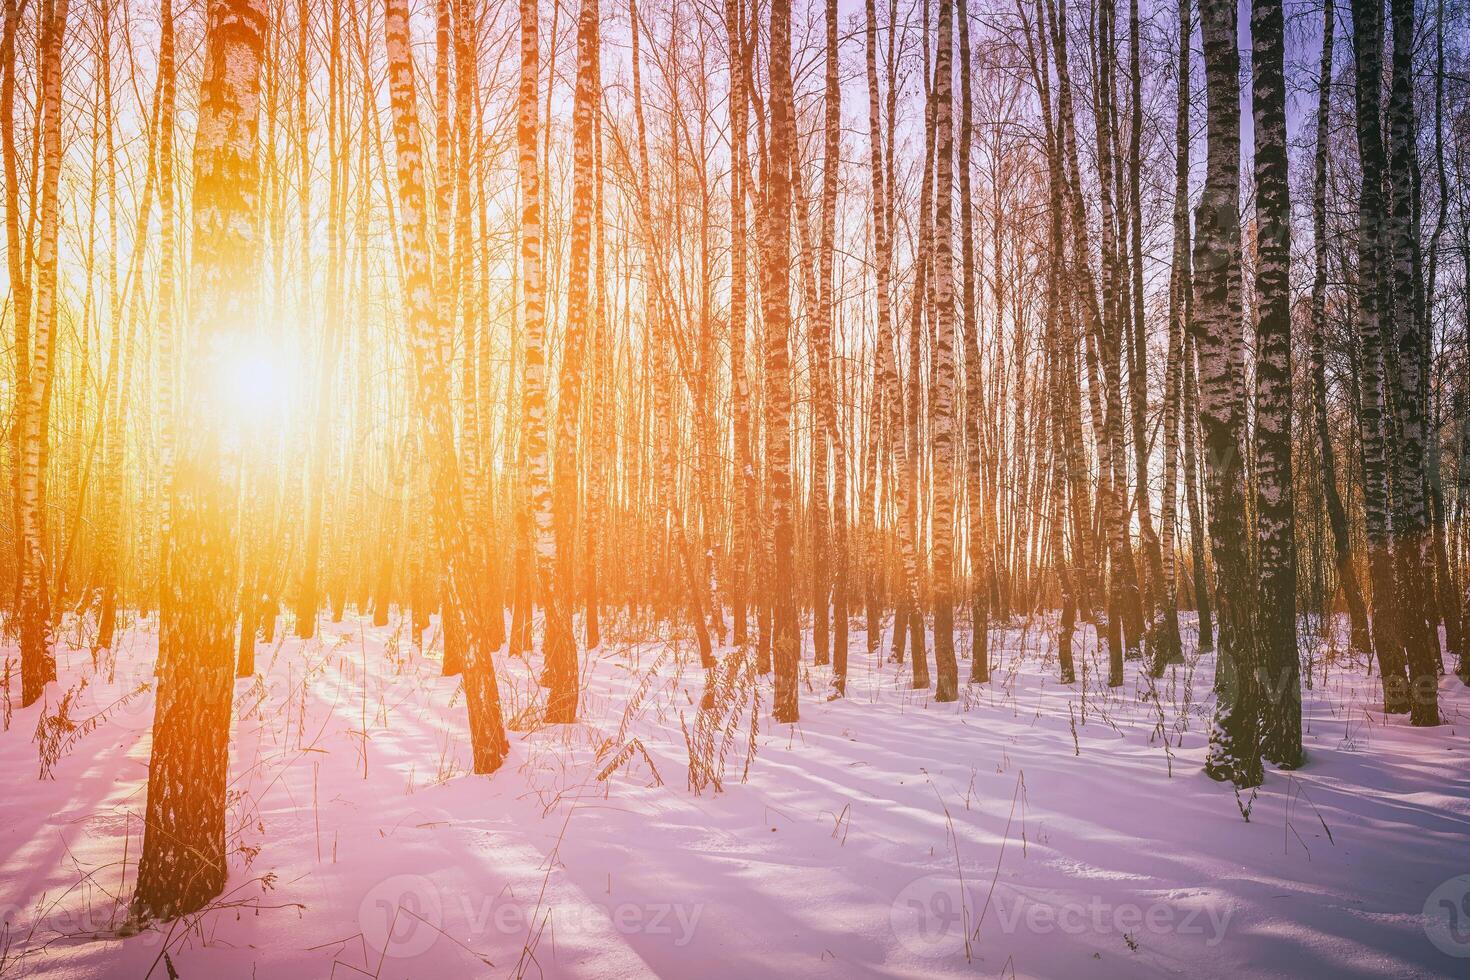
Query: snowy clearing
(1031, 829)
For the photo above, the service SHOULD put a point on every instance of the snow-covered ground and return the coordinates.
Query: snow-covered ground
(1031, 829)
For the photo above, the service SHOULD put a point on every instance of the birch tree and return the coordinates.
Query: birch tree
(430, 343)
(1372, 298)
(1235, 751)
(183, 864)
(776, 306)
(1275, 511)
(947, 686)
(37, 659)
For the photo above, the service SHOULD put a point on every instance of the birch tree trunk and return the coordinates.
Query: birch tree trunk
(561, 648)
(776, 302)
(1179, 309)
(1234, 751)
(943, 412)
(1347, 575)
(431, 343)
(599, 418)
(885, 389)
(1373, 313)
(1107, 419)
(1275, 630)
(443, 212)
(742, 499)
(1411, 525)
(533, 391)
(978, 551)
(309, 594)
(16, 255)
(166, 327)
(1163, 627)
(1057, 354)
(1189, 395)
(1449, 601)
(474, 333)
(114, 435)
(824, 328)
(183, 865)
(37, 661)
(909, 619)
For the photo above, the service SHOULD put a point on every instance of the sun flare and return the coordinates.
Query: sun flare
(254, 382)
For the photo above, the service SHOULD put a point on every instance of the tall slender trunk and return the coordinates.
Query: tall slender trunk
(561, 648)
(16, 256)
(431, 343)
(742, 498)
(37, 661)
(183, 864)
(1373, 314)
(473, 333)
(910, 614)
(825, 393)
(1107, 419)
(308, 598)
(978, 551)
(1163, 628)
(538, 503)
(943, 382)
(1275, 631)
(443, 212)
(1449, 602)
(1039, 61)
(776, 302)
(1193, 495)
(1410, 533)
(165, 329)
(598, 420)
(1347, 575)
(885, 388)
(1234, 751)
(1113, 325)
(1179, 310)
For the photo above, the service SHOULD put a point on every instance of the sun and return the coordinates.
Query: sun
(255, 382)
